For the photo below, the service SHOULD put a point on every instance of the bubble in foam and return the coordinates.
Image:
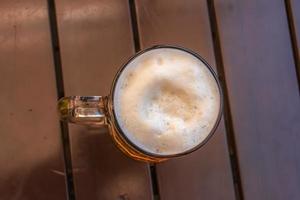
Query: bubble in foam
(166, 101)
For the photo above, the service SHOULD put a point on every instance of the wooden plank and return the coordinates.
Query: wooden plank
(206, 173)
(263, 93)
(96, 38)
(31, 163)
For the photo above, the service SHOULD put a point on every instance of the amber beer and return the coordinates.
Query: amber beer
(165, 102)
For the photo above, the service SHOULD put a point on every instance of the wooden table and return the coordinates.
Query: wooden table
(52, 49)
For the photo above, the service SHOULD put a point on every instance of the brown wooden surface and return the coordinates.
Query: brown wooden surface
(263, 93)
(257, 60)
(31, 164)
(95, 39)
(206, 173)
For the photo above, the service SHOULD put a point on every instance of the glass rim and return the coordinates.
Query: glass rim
(119, 129)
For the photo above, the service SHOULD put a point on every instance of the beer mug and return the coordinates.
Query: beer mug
(165, 102)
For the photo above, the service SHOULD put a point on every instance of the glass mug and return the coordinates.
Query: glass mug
(100, 111)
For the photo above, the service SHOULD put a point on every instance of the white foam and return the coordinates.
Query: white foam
(166, 101)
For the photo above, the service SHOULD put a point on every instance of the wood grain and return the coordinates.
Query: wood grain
(206, 173)
(95, 40)
(31, 163)
(263, 93)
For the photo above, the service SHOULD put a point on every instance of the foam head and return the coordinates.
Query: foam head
(166, 101)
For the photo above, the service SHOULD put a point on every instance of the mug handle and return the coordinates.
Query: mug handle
(86, 110)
